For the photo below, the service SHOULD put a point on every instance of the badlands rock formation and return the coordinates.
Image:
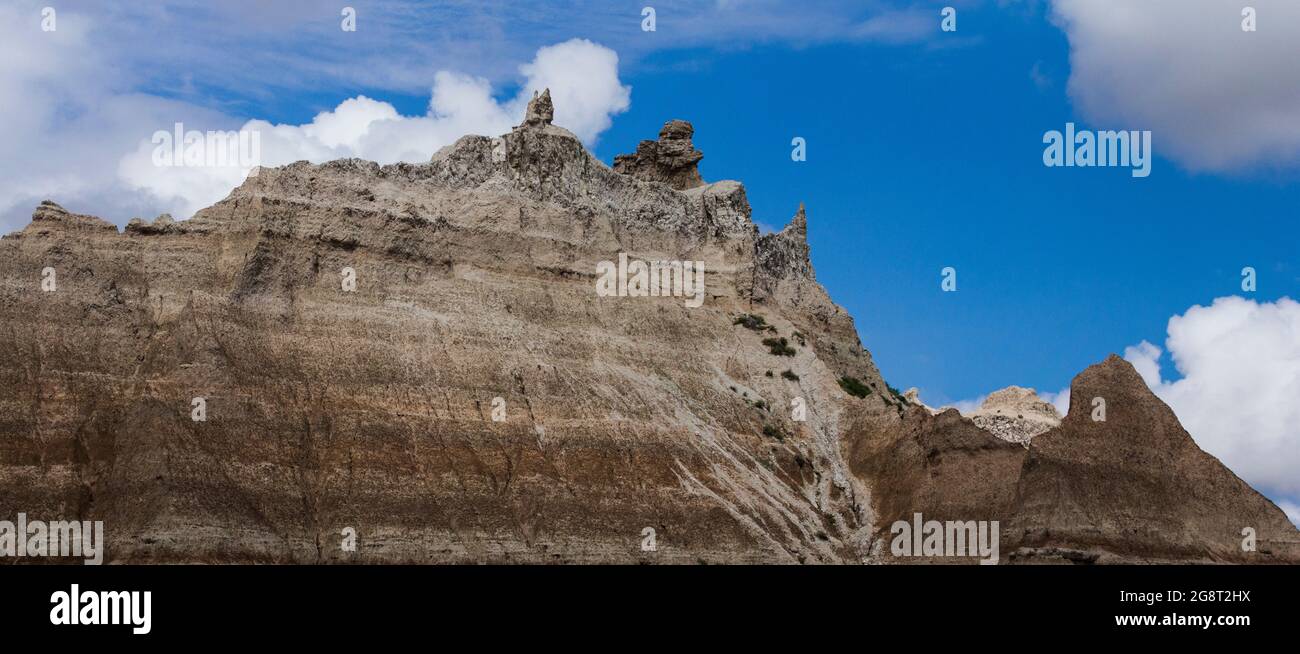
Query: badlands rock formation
(417, 354)
(1015, 414)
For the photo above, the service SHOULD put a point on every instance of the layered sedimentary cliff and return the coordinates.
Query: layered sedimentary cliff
(418, 353)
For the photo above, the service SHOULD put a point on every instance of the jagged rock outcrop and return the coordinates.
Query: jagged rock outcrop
(49, 218)
(540, 111)
(419, 353)
(784, 255)
(913, 397)
(1015, 414)
(671, 160)
(160, 225)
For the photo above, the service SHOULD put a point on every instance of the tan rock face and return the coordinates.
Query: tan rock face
(1016, 414)
(419, 353)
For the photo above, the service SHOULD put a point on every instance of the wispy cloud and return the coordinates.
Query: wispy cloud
(250, 49)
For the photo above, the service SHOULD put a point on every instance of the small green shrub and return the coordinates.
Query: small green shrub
(854, 387)
(779, 346)
(897, 395)
(774, 432)
(790, 375)
(751, 321)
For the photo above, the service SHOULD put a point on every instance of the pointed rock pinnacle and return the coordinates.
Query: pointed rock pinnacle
(541, 111)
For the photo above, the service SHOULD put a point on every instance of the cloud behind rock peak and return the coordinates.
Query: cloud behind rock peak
(1240, 366)
(582, 76)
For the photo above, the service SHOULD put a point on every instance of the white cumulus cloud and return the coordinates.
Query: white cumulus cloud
(1239, 394)
(582, 76)
(1216, 98)
(1145, 358)
(69, 117)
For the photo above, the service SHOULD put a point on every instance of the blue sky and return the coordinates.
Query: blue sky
(924, 150)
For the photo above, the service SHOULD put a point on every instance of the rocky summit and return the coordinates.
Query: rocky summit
(349, 362)
(672, 159)
(1015, 414)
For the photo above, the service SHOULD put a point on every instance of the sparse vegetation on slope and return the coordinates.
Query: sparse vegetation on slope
(853, 386)
(779, 346)
(753, 322)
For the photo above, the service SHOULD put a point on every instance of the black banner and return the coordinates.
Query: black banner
(502, 604)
